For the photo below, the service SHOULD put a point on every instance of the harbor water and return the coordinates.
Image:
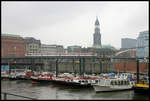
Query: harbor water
(54, 92)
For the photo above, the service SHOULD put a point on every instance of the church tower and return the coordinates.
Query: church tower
(97, 35)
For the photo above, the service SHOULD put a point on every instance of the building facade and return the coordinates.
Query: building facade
(12, 46)
(50, 49)
(142, 49)
(127, 43)
(32, 45)
(97, 35)
(105, 51)
(74, 48)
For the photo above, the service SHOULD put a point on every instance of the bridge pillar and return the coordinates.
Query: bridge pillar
(56, 67)
(82, 66)
(124, 66)
(93, 65)
(83, 62)
(73, 67)
(45, 67)
(100, 66)
(137, 70)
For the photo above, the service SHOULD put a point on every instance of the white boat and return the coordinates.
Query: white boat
(113, 84)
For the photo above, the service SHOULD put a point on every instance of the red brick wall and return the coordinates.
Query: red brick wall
(130, 66)
(8, 44)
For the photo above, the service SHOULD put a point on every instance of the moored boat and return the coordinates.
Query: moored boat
(74, 81)
(142, 87)
(4, 75)
(110, 84)
(45, 77)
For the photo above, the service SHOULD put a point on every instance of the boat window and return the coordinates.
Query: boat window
(127, 82)
(107, 83)
(102, 81)
(119, 82)
(112, 82)
(122, 82)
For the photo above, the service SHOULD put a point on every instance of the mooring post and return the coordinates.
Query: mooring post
(137, 70)
(124, 66)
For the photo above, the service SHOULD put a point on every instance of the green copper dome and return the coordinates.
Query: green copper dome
(108, 47)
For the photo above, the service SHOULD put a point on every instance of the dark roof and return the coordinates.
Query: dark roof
(31, 40)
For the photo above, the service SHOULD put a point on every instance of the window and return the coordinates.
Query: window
(102, 81)
(107, 82)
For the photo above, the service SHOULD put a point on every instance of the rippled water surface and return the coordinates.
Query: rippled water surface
(51, 91)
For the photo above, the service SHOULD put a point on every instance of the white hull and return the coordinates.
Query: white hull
(98, 88)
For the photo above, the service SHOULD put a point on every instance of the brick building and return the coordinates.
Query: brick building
(12, 45)
(131, 66)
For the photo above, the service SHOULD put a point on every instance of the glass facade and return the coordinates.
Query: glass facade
(142, 49)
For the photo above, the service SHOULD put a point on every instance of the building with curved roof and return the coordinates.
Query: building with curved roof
(108, 47)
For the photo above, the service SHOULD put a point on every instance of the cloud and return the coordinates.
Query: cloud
(72, 23)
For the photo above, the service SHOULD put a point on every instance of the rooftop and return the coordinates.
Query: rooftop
(10, 35)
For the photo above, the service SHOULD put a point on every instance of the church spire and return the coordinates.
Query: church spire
(97, 22)
(97, 35)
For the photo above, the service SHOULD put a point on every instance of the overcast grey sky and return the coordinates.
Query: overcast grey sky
(72, 23)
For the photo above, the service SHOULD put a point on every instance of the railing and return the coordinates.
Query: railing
(60, 54)
(5, 96)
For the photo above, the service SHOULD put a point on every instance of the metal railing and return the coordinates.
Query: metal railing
(5, 96)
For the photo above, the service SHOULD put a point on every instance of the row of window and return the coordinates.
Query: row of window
(10, 54)
(13, 49)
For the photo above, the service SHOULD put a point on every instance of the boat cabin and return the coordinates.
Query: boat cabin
(111, 82)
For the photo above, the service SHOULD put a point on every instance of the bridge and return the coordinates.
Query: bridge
(73, 63)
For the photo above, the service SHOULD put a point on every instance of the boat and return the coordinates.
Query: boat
(4, 75)
(44, 77)
(83, 82)
(142, 87)
(19, 76)
(116, 83)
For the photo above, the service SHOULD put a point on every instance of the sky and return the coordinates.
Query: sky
(72, 23)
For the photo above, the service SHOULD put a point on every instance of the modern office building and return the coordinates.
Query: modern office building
(50, 49)
(12, 45)
(97, 35)
(127, 43)
(32, 45)
(142, 49)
